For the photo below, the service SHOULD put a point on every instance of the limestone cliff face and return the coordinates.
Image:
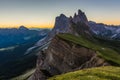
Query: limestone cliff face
(62, 25)
(63, 56)
(80, 17)
(77, 25)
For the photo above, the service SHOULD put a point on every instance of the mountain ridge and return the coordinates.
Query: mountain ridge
(64, 24)
(63, 55)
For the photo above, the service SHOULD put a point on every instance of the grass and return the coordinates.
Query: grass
(101, 73)
(104, 52)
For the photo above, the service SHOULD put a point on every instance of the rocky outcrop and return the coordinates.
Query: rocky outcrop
(39, 75)
(95, 61)
(70, 25)
(62, 25)
(77, 25)
(80, 17)
(63, 56)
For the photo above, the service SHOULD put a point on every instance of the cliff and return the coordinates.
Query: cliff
(64, 56)
(72, 47)
(77, 25)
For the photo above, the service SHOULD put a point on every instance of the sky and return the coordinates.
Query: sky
(42, 13)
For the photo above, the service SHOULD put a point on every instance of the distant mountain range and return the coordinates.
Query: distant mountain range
(104, 31)
(14, 36)
(13, 45)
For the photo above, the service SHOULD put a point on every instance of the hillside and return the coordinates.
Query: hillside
(73, 46)
(101, 73)
(67, 53)
(102, 50)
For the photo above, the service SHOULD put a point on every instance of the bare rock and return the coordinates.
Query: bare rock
(63, 56)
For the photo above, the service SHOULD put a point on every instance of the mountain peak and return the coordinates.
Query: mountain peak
(80, 12)
(23, 28)
(61, 24)
(62, 15)
(75, 15)
(65, 24)
(80, 17)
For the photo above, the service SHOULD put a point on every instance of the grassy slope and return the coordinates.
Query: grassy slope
(102, 51)
(101, 73)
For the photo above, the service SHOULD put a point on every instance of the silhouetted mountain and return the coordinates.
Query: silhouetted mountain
(23, 28)
(14, 36)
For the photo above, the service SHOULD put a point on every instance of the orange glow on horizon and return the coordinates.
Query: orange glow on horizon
(112, 23)
(28, 26)
(51, 25)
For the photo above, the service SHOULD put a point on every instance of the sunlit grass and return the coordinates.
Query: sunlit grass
(101, 73)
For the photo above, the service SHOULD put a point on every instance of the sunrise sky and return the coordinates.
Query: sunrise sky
(42, 13)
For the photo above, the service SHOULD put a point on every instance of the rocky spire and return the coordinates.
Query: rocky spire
(75, 15)
(61, 24)
(62, 15)
(80, 17)
(80, 12)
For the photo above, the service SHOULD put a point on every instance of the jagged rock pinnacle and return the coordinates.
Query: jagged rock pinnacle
(80, 12)
(75, 15)
(63, 24)
(62, 15)
(80, 17)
